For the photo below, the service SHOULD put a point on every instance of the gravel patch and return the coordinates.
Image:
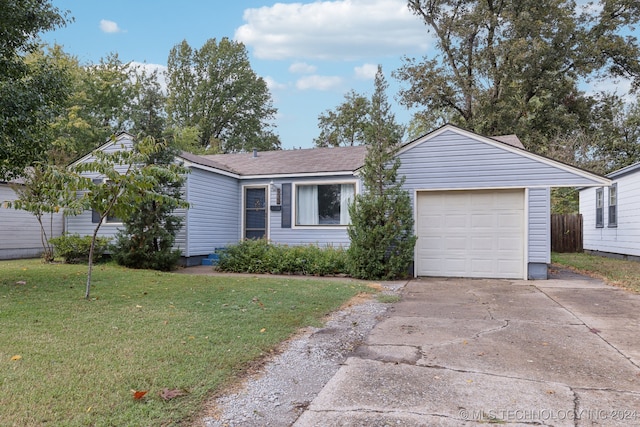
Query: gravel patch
(287, 383)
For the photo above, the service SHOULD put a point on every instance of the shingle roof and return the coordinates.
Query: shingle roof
(303, 161)
(283, 162)
(512, 140)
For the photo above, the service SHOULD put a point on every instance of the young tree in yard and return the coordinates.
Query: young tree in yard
(381, 230)
(149, 233)
(129, 178)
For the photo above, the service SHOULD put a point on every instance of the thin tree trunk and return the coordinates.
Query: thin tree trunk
(93, 244)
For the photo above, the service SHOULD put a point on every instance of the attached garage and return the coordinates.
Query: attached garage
(482, 205)
(478, 233)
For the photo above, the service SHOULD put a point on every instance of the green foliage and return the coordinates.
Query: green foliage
(260, 256)
(29, 103)
(43, 194)
(149, 231)
(215, 90)
(131, 178)
(104, 99)
(31, 90)
(345, 125)
(381, 230)
(147, 104)
(564, 200)
(381, 234)
(514, 66)
(75, 249)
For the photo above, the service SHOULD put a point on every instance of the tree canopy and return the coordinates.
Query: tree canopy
(514, 66)
(215, 90)
(351, 122)
(30, 91)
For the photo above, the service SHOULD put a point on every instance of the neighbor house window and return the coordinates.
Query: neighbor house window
(613, 206)
(324, 204)
(95, 215)
(599, 207)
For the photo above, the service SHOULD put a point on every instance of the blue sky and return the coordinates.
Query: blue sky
(310, 53)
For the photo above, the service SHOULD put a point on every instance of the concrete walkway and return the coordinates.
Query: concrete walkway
(456, 352)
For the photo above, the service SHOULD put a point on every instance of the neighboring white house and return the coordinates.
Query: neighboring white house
(19, 230)
(481, 205)
(611, 215)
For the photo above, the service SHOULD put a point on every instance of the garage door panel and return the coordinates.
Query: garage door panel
(483, 221)
(483, 234)
(509, 244)
(481, 243)
(456, 222)
(455, 244)
(511, 219)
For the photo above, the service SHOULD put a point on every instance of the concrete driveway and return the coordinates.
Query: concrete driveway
(452, 352)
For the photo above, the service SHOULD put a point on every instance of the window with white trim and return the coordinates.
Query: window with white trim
(599, 207)
(613, 206)
(324, 204)
(95, 215)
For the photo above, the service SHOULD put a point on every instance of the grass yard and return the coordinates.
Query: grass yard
(622, 273)
(65, 361)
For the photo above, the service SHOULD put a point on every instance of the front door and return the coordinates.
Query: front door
(255, 213)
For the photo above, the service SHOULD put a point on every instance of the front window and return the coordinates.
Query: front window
(613, 206)
(323, 204)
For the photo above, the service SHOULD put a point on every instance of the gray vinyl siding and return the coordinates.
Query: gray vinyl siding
(451, 161)
(213, 218)
(454, 161)
(81, 224)
(309, 235)
(624, 239)
(20, 230)
(539, 225)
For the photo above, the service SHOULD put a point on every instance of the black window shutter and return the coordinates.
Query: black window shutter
(95, 215)
(286, 205)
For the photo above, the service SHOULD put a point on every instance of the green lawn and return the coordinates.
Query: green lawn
(625, 274)
(71, 362)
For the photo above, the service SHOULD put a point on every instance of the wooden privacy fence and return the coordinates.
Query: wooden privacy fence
(566, 232)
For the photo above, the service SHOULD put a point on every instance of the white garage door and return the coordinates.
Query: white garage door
(471, 234)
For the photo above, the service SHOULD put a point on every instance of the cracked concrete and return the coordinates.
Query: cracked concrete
(462, 352)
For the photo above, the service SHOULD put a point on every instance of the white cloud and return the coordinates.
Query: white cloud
(272, 84)
(316, 82)
(336, 29)
(302, 68)
(107, 26)
(366, 71)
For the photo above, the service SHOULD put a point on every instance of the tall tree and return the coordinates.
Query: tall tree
(30, 92)
(346, 124)
(110, 90)
(508, 66)
(381, 230)
(147, 109)
(215, 89)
